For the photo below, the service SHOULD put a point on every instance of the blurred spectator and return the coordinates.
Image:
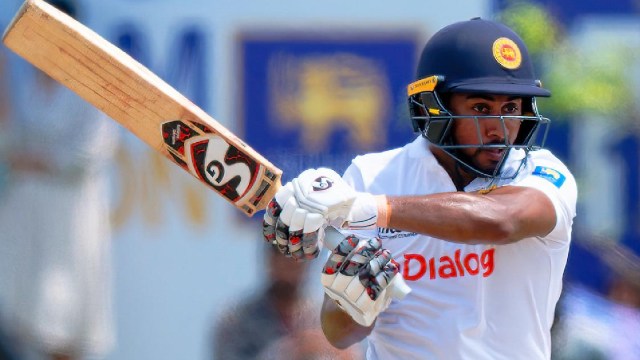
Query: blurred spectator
(593, 326)
(272, 318)
(55, 285)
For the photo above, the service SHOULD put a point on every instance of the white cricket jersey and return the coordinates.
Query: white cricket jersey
(469, 301)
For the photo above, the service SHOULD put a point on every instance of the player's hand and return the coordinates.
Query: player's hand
(292, 229)
(323, 191)
(358, 276)
(303, 207)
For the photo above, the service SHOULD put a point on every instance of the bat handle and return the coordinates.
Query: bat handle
(398, 287)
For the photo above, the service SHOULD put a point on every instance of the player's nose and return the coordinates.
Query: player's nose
(494, 128)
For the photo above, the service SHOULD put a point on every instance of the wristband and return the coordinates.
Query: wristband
(384, 211)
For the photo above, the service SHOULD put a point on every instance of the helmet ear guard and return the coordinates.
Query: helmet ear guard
(533, 128)
(429, 116)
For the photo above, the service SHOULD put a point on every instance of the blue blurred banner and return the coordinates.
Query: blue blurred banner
(320, 99)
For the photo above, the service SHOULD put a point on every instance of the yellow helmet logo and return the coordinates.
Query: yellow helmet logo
(507, 53)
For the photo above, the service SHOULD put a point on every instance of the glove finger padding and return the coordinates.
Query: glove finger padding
(357, 277)
(296, 226)
(354, 264)
(337, 257)
(377, 275)
(273, 211)
(269, 221)
(282, 225)
(304, 232)
(313, 231)
(292, 229)
(361, 256)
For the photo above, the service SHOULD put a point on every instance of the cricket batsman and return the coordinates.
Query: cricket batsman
(474, 214)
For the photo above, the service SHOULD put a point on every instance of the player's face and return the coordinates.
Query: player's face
(468, 131)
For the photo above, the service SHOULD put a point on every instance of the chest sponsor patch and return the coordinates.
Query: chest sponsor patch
(418, 266)
(552, 175)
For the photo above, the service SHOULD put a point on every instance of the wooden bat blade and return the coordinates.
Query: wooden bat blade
(151, 109)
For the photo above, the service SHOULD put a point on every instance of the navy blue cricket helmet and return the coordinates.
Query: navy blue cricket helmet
(476, 56)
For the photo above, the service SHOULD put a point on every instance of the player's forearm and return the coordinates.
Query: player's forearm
(338, 327)
(459, 217)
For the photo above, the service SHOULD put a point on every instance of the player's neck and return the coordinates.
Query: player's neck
(457, 173)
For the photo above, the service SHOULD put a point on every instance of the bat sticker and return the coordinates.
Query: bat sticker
(211, 159)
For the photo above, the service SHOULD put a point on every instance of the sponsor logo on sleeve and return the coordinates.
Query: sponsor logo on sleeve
(552, 175)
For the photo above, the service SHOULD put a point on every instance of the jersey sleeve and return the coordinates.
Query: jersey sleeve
(353, 177)
(559, 185)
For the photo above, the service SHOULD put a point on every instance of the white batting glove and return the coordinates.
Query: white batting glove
(303, 207)
(293, 230)
(362, 279)
(294, 219)
(323, 191)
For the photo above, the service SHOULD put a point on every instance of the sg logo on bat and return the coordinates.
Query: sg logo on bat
(212, 160)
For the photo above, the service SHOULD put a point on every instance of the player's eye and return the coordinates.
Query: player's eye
(510, 108)
(481, 109)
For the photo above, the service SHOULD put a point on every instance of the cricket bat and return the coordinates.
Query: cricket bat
(129, 93)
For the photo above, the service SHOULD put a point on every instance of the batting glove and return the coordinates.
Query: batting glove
(292, 229)
(362, 279)
(303, 207)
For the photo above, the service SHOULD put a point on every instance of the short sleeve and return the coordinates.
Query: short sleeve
(353, 177)
(559, 185)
